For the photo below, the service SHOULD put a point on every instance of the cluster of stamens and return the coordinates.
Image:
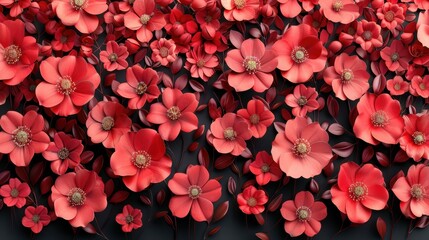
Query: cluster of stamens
(251, 64)
(358, 191)
(229, 134)
(418, 138)
(113, 57)
(240, 4)
(299, 54)
(76, 197)
(174, 113)
(347, 75)
(301, 147)
(302, 101)
(417, 191)
(12, 54)
(144, 19)
(394, 57)
(254, 119)
(252, 202)
(367, 35)
(65, 85)
(79, 4)
(303, 213)
(141, 159)
(22, 136)
(141, 88)
(107, 123)
(63, 153)
(389, 16)
(194, 191)
(379, 118)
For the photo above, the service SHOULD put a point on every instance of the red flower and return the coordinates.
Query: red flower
(397, 86)
(130, 218)
(22, 136)
(302, 150)
(258, 117)
(76, 196)
(174, 114)
(230, 133)
(140, 163)
(252, 201)
(63, 153)
(358, 191)
(348, 77)
(80, 13)
(145, 19)
(415, 136)
(420, 86)
(195, 193)
(300, 53)
(15, 192)
(252, 66)
(342, 11)
(64, 40)
(412, 191)
(141, 86)
(240, 10)
(391, 15)
(368, 35)
(208, 19)
(36, 218)
(16, 6)
(17, 52)
(163, 51)
(303, 215)
(302, 100)
(70, 83)
(115, 57)
(265, 169)
(396, 56)
(379, 119)
(107, 122)
(200, 64)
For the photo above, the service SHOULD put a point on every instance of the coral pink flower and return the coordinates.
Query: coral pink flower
(303, 214)
(145, 19)
(265, 169)
(423, 28)
(230, 133)
(252, 65)
(300, 53)
(130, 218)
(64, 40)
(36, 218)
(200, 64)
(63, 153)
(208, 19)
(391, 15)
(195, 193)
(396, 56)
(414, 139)
(16, 6)
(107, 122)
(115, 56)
(22, 136)
(140, 163)
(194, 4)
(17, 52)
(258, 117)
(163, 51)
(358, 191)
(302, 100)
(422, 4)
(14, 193)
(348, 77)
(76, 196)
(70, 83)
(252, 201)
(412, 191)
(141, 86)
(342, 11)
(302, 150)
(368, 35)
(174, 114)
(80, 13)
(240, 10)
(420, 86)
(290, 8)
(379, 119)
(397, 86)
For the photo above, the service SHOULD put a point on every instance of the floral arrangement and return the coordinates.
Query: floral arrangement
(293, 111)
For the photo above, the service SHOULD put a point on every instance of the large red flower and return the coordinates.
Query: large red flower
(414, 139)
(140, 159)
(379, 119)
(302, 150)
(359, 190)
(70, 83)
(195, 193)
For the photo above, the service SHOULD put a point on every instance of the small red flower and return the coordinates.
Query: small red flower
(265, 169)
(391, 15)
(115, 56)
(396, 56)
(342, 11)
(36, 218)
(397, 86)
(15, 192)
(64, 40)
(16, 6)
(414, 139)
(163, 51)
(200, 64)
(368, 35)
(302, 100)
(130, 218)
(420, 86)
(252, 201)
(258, 117)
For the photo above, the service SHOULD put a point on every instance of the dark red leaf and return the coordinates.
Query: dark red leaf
(246, 166)
(336, 129)
(181, 82)
(203, 157)
(214, 111)
(119, 196)
(275, 203)
(401, 156)
(422, 222)
(46, 184)
(260, 219)
(314, 186)
(223, 161)
(90, 229)
(395, 178)
(176, 65)
(199, 132)
(236, 38)
(198, 87)
(140, 55)
(232, 185)
(327, 195)
(378, 84)
(220, 211)
(22, 173)
(109, 187)
(214, 230)
(228, 103)
(145, 200)
(36, 172)
(367, 154)
(98, 164)
(166, 80)
(160, 197)
(262, 236)
(279, 126)
(333, 106)
(169, 221)
(86, 157)
(382, 159)
(343, 149)
(4, 177)
(381, 227)
(271, 95)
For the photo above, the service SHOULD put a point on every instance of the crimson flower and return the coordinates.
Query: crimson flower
(252, 201)
(258, 117)
(36, 218)
(265, 169)
(15, 192)
(302, 100)
(414, 139)
(130, 218)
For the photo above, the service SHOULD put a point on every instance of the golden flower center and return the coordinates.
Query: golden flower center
(299, 54)
(397, 86)
(107, 123)
(14, 193)
(337, 5)
(113, 57)
(141, 159)
(163, 51)
(419, 138)
(239, 4)
(201, 63)
(301, 147)
(303, 213)
(22, 136)
(316, 24)
(367, 35)
(389, 16)
(254, 119)
(417, 191)
(76, 197)
(194, 191)
(129, 219)
(251, 64)
(78, 4)
(379, 118)
(63, 153)
(208, 18)
(394, 57)
(174, 113)
(66, 86)
(12, 54)
(265, 168)
(422, 86)
(35, 218)
(347, 75)
(229, 134)
(302, 101)
(358, 191)
(144, 19)
(252, 202)
(141, 88)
